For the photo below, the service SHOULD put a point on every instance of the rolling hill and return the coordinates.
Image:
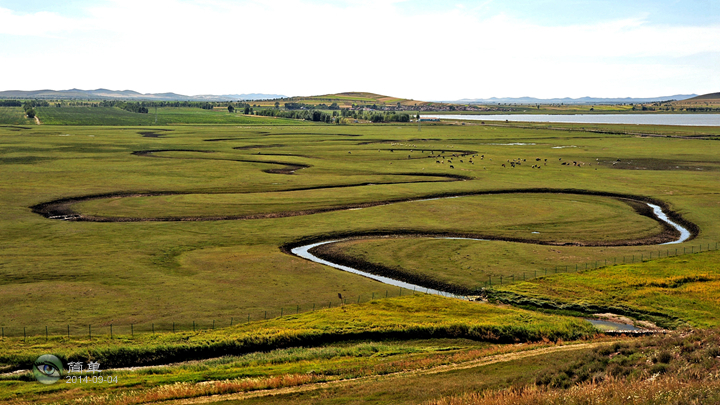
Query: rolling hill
(346, 100)
(704, 99)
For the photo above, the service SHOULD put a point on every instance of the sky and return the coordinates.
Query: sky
(418, 49)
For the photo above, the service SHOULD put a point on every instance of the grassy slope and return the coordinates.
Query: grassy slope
(672, 290)
(415, 317)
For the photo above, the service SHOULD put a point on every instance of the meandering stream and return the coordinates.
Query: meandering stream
(304, 252)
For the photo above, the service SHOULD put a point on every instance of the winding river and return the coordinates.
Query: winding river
(304, 252)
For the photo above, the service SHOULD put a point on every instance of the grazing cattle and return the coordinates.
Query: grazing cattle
(503, 165)
(452, 167)
(437, 161)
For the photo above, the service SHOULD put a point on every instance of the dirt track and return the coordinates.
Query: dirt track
(430, 371)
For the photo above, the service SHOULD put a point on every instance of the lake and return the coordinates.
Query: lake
(701, 120)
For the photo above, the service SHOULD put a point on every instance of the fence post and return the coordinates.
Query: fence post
(213, 324)
(3, 332)
(313, 307)
(24, 334)
(298, 309)
(231, 321)
(173, 327)
(193, 326)
(248, 318)
(358, 299)
(501, 277)
(373, 296)
(132, 332)
(111, 334)
(90, 331)
(46, 333)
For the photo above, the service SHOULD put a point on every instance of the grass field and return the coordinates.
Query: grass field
(14, 116)
(671, 291)
(198, 218)
(417, 317)
(165, 116)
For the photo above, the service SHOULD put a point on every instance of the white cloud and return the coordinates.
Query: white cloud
(299, 47)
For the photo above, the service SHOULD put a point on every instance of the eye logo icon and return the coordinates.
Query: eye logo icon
(47, 369)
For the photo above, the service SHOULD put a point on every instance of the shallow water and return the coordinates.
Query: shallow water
(703, 120)
(303, 251)
(607, 325)
(684, 233)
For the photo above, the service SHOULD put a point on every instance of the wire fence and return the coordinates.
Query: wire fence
(114, 331)
(592, 265)
(128, 331)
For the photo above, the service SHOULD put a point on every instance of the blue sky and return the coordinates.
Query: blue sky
(418, 49)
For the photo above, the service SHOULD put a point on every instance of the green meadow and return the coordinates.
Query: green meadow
(186, 225)
(117, 116)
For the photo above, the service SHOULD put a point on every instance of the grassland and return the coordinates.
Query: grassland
(671, 291)
(165, 116)
(106, 269)
(77, 273)
(409, 318)
(14, 116)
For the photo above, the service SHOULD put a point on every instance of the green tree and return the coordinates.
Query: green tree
(231, 108)
(30, 113)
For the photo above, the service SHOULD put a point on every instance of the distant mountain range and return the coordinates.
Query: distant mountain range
(567, 100)
(129, 95)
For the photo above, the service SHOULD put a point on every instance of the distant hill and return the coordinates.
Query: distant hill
(705, 99)
(347, 99)
(129, 95)
(567, 100)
